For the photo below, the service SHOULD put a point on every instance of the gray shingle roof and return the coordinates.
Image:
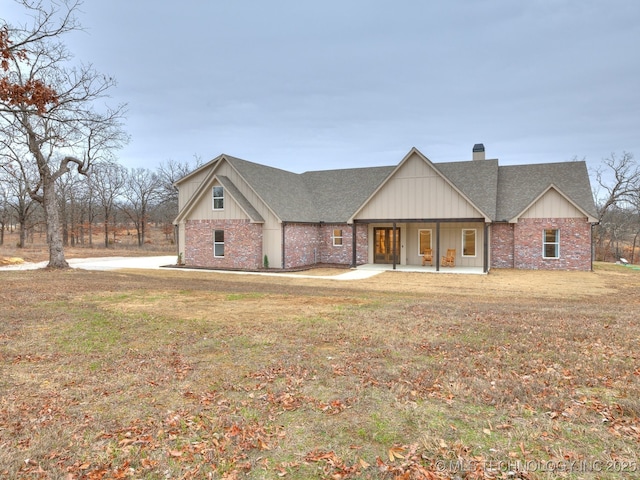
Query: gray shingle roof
(333, 196)
(284, 192)
(478, 180)
(337, 194)
(519, 185)
(328, 196)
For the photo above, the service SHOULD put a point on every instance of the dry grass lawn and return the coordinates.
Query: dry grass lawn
(176, 374)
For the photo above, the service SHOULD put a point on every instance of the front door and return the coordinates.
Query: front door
(384, 245)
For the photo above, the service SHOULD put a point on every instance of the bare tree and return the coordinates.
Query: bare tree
(4, 207)
(107, 182)
(70, 189)
(19, 201)
(141, 192)
(169, 173)
(618, 181)
(48, 106)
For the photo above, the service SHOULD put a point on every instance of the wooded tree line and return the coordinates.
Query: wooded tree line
(103, 201)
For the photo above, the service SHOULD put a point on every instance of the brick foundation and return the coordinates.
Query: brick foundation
(519, 245)
(242, 244)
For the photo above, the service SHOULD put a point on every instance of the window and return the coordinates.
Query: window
(337, 238)
(468, 243)
(424, 241)
(551, 243)
(218, 243)
(218, 198)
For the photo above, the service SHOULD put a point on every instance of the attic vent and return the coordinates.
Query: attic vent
(478, 151)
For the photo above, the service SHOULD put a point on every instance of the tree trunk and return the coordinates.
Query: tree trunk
(106, 232)
(22, 240)
(143, 224)
(52, 216)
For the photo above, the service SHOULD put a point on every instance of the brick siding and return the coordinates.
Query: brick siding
(242, 244)
(501, 246)
(310, 244)
(520, 245)
(362, 244)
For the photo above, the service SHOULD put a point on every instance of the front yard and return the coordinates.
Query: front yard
(174, 374)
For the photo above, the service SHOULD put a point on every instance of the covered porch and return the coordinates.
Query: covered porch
(402, 244)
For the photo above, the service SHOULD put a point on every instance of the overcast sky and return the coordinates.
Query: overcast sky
(352, 83)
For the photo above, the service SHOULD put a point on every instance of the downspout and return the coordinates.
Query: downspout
(283, 239)
(513, 245)
(354, 249)
(593, 247)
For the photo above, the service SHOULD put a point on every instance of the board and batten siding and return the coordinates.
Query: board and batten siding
(188, 188)
(417, 190)
(552, 205)
(204, 208)
(450, 237)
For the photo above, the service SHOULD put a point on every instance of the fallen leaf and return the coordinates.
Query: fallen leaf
(396, 452)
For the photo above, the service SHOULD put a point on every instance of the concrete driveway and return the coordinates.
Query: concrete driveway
(153, 263)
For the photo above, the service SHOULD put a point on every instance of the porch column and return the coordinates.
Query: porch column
(354, 249)
(437, 246)
(394, 246)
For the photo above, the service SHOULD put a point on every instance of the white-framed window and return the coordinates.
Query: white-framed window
(337, 237)
(551, 243)
(218, 198)
(218, 243)
(469, 242)
(424, 241)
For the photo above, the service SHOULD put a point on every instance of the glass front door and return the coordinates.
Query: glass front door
(384, 245)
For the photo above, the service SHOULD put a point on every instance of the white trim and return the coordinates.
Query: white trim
(334, 237)
(430, 239)
(556, 243)
(475, 242)
(214, 198)
(218, 243)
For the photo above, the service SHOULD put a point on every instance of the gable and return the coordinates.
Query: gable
(188, 185)
(520, 186)
(417, 190)
(553, 204)
(203, 208)
(241, 202)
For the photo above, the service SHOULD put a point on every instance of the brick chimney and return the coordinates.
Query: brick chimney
(478, 151)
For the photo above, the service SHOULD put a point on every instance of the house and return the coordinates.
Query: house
(235, 214)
